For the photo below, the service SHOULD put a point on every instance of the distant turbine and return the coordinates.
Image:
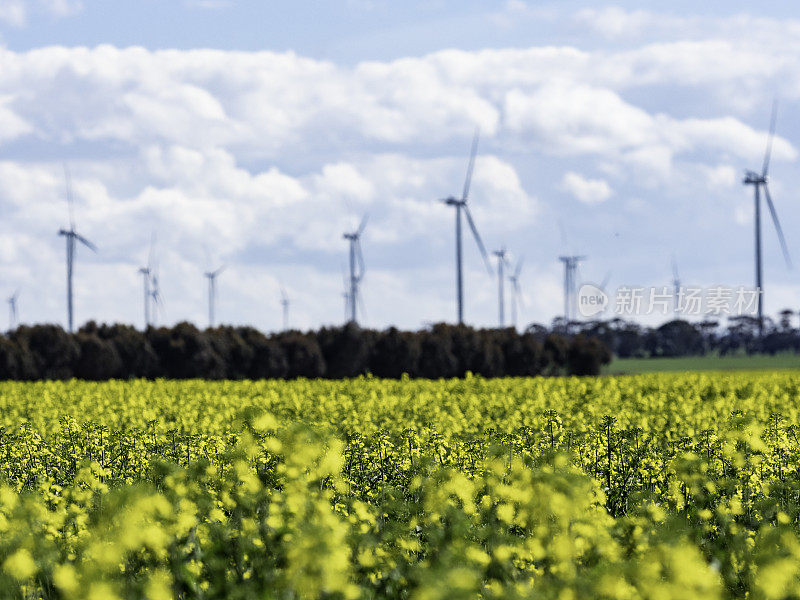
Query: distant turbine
(501, 283)
(570, 268)
(357, 268)
(212, 293)
(759, 182)
(71, 236)
(148, 278)
(285, 306)
(13, 319)
(460, 205)
(516, 294)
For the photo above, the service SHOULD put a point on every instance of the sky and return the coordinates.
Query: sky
(254, 134)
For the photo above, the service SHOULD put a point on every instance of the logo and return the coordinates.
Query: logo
(592, 300)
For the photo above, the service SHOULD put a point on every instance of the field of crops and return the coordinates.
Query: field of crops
(659, 486)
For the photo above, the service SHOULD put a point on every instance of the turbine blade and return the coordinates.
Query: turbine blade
(768, 152)
(519, 267)
(478, 240)
(520, 295)
(360, 258)
(362, 226)
(471, 166)
(778, 228)
(86, 242)
(674, 269)
(218, 271)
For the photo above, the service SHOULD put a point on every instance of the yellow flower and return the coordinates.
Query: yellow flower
(20, 565)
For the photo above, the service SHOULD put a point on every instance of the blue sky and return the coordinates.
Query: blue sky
(253, 134)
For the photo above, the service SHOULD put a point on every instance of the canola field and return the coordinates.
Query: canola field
(669, 486)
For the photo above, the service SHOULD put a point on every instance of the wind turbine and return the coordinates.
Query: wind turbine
(570, 268)
(212, 292)
(356, 267)
(71, 237)
(148, 277)
(13, 319)
(676, 288)
(285, 306)
(759, 183)
(501, 303)
(460, 205)
(516, 294)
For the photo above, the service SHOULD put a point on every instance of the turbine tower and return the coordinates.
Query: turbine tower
(759, 183)
(13, 316)
(570, 268)
(285, 306)
(71, 236)
(148, 278)
(516, 294)
(356, 268)
(212, 292)
(460, 205)
(345, 294)
(501, 263)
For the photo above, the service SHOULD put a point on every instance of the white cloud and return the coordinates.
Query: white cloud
(17, 13)
(720, 177)
(208, 4)
(613, 21)
(270, 156)
(13, 12)
(61, 8)
(588, 191)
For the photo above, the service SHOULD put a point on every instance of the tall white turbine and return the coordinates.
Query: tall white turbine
(759, 183)
(516, 293)
(71, 236)
(502, 261)
(150, 283)
(570, 286)
(460, 204)
(212, 292)
(357, 269)
(13, 315)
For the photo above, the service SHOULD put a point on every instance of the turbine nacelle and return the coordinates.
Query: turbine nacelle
(753, 178)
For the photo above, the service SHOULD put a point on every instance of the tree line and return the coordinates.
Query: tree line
(115, 351)
(738, 335)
